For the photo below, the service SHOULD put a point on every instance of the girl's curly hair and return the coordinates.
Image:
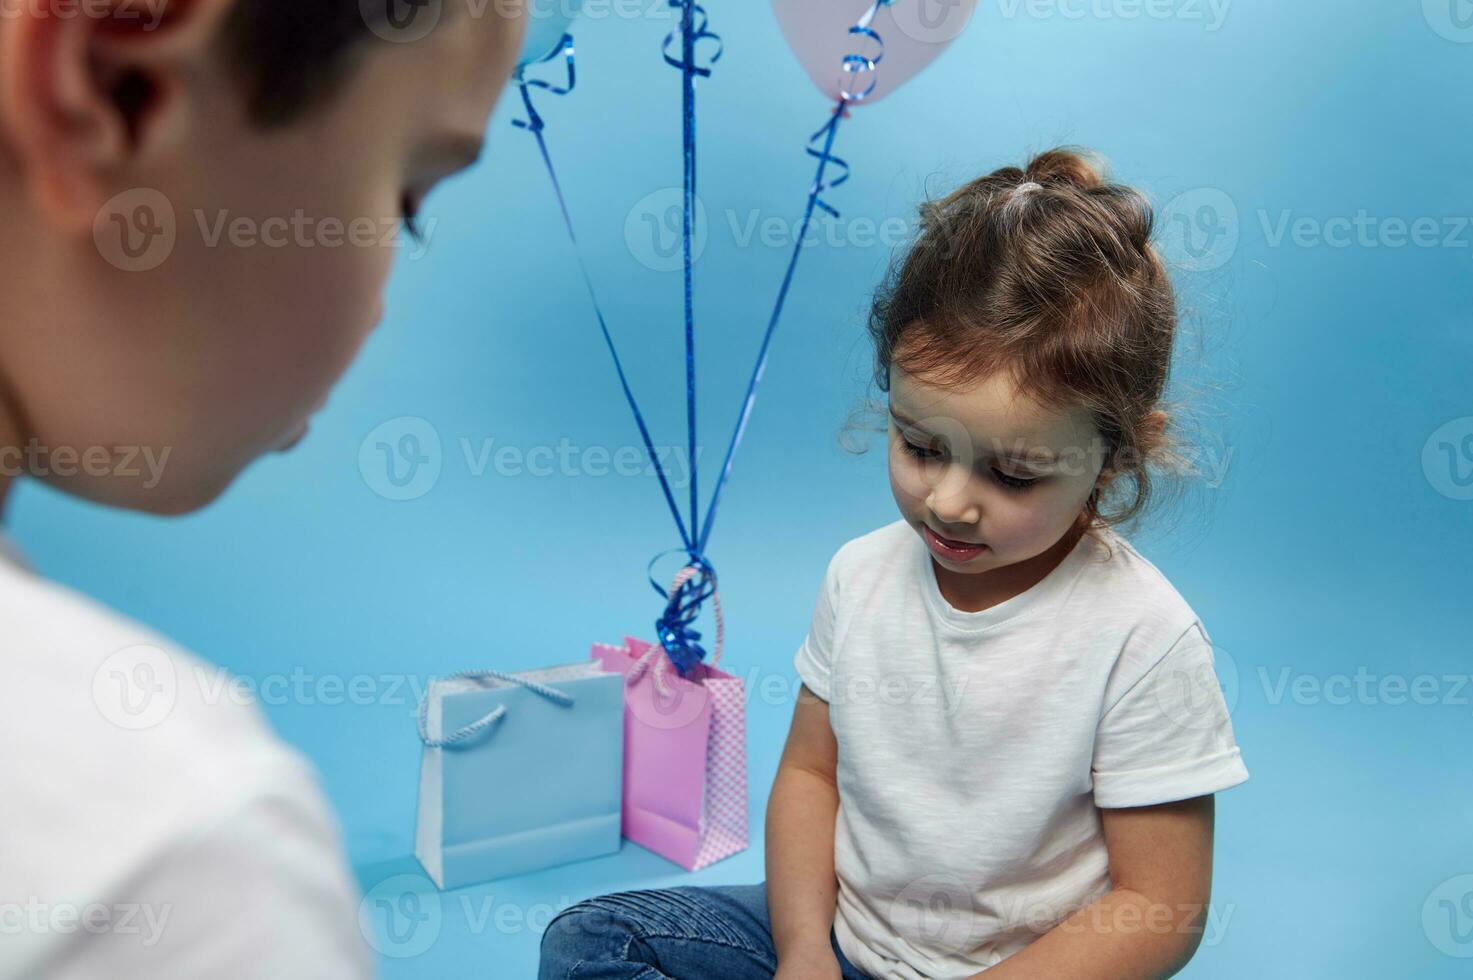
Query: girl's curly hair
(1046, 271)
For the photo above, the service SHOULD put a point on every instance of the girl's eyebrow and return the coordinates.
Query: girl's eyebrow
(1037, 457)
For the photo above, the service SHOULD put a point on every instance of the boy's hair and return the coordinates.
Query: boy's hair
(1047, 272)
(292, 55)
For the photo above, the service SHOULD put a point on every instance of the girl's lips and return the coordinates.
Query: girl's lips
(949, 549)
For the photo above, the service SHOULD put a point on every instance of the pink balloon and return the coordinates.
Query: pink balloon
(915, 32)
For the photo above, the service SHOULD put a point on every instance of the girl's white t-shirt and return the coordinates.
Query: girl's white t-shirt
(975, 748)
(150, 824)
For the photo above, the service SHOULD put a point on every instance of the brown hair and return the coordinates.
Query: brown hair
(1057, 283)
(292, 56)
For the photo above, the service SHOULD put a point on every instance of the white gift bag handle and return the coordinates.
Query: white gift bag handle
(492, 717)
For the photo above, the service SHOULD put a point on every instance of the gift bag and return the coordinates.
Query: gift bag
(685, 755)
(519, 772)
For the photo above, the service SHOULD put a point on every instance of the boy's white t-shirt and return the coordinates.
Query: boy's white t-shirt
(975, 747)
(146, 829)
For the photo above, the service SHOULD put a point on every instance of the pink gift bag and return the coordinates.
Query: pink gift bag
(685, 755)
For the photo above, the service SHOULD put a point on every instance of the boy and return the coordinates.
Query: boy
(129, 129)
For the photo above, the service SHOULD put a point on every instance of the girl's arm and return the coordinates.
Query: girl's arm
(1150, 923)
(802, 891)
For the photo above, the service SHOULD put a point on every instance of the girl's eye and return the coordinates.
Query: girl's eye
(919, 452)
(1010, 482)
(410, 210)
(1013, 482)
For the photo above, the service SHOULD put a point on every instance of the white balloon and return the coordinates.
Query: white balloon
(547, 22)
(915, 33)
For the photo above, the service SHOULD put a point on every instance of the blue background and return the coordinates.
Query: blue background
(1318, 374)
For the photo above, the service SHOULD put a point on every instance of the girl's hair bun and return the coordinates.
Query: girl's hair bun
(1066, 167)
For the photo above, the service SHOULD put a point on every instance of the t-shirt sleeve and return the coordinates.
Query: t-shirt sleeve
(814, 659)
(1168, 736)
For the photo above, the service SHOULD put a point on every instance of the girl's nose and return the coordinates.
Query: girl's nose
(953, 505)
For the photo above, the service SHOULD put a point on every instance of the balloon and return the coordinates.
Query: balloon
(914, 32)
(547, 22)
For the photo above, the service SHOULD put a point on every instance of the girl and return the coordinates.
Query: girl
(1008, 734)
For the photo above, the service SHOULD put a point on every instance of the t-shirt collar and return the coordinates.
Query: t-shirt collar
(1055, 583)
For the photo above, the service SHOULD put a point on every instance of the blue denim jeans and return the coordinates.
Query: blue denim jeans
(683, 933)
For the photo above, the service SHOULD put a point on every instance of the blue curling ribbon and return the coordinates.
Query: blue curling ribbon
(676, 636)
(674, 629)
(682, 608)
(857, 64)
(534, 125)
(683, 605)
(825, 156)
(533, 122)
(697, 31)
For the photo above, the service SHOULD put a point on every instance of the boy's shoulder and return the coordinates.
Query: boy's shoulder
(116, 739)
(96, 667)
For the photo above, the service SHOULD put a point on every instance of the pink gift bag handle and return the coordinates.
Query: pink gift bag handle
(655, 654)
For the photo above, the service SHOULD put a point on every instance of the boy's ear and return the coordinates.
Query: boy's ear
(87, 96)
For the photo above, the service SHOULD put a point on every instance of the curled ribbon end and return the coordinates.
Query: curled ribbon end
(684, 653)
(693, 585)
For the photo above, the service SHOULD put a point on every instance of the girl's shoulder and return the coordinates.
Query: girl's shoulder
(1118, 577)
